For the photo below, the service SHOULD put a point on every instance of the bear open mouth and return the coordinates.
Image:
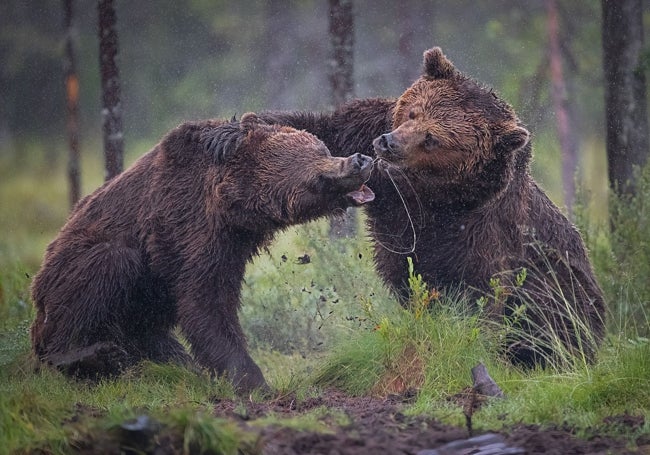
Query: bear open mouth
(362, 195)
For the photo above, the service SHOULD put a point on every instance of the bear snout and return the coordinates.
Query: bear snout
(385, 145)
(354, 172)
(361, 164)
(355, 168)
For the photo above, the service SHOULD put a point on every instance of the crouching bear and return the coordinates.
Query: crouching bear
(166, 243)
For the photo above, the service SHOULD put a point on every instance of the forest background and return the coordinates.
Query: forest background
(198, 59)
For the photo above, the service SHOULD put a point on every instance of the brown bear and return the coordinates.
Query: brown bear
(166, 243)
(458, 197)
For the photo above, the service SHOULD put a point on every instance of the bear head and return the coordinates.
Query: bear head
(285, 176)
(452, 133)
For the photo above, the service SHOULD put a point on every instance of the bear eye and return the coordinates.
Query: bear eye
(430, 142)
(412, 115)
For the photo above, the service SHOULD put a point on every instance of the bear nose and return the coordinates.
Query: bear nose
(360, 161)
(385, 143)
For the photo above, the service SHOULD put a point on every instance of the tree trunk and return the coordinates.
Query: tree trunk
(72, 103)
(559, 93)
(278, 57)
(625, 92)
(414, 25)
(341, 28)
(111, 106)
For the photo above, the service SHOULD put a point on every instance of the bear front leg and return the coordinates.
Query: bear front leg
(210, 323)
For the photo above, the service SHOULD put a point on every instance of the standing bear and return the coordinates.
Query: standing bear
(456, 194)
(166, 243)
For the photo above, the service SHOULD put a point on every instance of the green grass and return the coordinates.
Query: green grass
(389, 359)
(433, 351)
(33, 407)
(620, 252)
(580, 399)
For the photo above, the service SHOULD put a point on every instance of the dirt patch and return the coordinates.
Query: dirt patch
(378, 426)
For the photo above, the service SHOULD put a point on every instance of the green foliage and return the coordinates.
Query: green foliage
(432, 346)
(355, 366)
(620, 253)
(618, 384)
(422, 346)
(155, 385)
(629, 268)
(304, 292)
(33, 405)
(556, 329)
(31, 410)
(14, 302)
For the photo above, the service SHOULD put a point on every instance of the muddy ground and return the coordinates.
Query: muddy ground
(364, 425)
(379, 427)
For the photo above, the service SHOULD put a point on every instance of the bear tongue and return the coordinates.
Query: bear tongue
(362, 195)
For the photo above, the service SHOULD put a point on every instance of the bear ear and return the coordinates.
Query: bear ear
(514, 139)
(250, 120)
(436, 65)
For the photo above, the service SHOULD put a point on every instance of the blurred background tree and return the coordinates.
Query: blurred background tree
(626, 108)
(341, 76)
(566, 134)
(72, 102)
(111, 113)
(182, 60)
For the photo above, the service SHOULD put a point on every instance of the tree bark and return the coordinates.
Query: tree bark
(111, 105)
(341, 30)
(72, 104)
(563, 121)
(625, 92)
